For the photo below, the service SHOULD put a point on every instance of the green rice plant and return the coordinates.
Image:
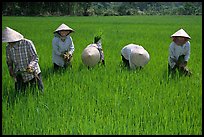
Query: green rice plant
(112, 99)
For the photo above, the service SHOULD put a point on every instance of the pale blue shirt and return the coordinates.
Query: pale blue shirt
(175, 51)
(59, 47)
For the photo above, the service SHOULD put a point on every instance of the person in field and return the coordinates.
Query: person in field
(179, 53)
(63, 47)
(93, 53)
(22, 60)
(134, 56)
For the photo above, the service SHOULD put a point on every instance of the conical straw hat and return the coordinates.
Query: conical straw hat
(90, 56)
(139, 57)
(64, 27)
(181, 33)
(10, 35)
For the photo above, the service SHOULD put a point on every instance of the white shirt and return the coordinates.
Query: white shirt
(59, 47)
(126, 52)
(175, 51)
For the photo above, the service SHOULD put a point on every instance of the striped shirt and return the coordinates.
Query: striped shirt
(21, 55)
(175, 51)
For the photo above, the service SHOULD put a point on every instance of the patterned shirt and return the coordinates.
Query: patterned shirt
(98, 45)
(59, 47)
(21, 55)
(175, 51)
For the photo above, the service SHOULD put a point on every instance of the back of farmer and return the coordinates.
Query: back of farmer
(93, 53)
(134, 56)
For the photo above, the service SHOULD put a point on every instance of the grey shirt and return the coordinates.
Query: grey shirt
(59, 47)
(175, 51)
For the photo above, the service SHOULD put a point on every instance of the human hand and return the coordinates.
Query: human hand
(30, 69)
(67, 56)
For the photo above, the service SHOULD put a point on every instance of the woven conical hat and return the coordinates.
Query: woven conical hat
(63, 27)
(181, 33)
(10, 35)
(139, 57)
(90, 56)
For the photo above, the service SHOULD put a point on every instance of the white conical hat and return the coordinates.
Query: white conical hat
(10, 35)
(63, 27)
(90, 56)
(139, 57)
(181, 33)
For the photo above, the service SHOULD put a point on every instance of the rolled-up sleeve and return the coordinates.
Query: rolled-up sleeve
(187, 55)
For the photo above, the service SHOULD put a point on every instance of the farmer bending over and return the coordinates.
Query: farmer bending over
(93, 53)
(134, 56)
(22, 60)
(179, 53)
(63, 47)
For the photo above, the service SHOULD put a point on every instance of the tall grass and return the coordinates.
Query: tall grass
(111, 99)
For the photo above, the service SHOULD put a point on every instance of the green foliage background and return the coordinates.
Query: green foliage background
(110, 99)
(100, 8)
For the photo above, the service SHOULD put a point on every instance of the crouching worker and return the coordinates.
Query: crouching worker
(63, 47)
(93, 53)
(179, 53)
(22, 60)
(134, 56)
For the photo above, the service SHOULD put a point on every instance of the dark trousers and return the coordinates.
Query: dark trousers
(182, 70)
(21, 86)
(125, 61)
(57, 67)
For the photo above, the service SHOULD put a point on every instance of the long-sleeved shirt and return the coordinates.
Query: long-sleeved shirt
(59, 47)
(20, 56)
(126, 52)
(175, 51)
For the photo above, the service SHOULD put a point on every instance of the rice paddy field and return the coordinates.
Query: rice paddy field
(110, 100)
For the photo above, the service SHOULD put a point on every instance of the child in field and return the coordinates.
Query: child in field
(134, 56)
(22, 60)
(63, 47)
(179, 53)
